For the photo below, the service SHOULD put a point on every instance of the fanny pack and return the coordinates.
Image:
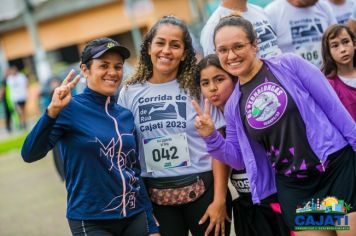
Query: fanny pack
(178, 190)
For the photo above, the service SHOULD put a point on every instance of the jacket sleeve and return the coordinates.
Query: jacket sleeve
(152, 225)
(41, 139)
(324, 95)
(226, 150)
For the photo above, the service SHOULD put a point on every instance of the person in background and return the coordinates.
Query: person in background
(267, 38)
(342, 9)
(299, 26)
(352, 21)
(6, 101)
(339, 64)
(97, 141)
(284, 114)
(217, 85)
(188, 189)
(18, 86)
(198, 50)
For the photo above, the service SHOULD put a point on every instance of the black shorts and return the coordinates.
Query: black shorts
(338, 180)
(258, 219)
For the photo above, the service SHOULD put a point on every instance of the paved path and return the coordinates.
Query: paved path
(32, 198)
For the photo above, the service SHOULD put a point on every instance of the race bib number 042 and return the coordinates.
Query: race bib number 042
(170, 151)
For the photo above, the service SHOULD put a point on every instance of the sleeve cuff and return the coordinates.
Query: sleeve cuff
(152, 226)
(48, 118)
(213, 140)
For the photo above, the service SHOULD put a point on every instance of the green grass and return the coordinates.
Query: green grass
(12, 143)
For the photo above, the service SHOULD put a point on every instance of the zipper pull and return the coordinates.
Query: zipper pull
(322, 165)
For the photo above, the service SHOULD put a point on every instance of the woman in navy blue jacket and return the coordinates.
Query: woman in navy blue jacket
(96, 138)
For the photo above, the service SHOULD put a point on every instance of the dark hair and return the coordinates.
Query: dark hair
(329, 66)
(210, 60)
(187, 68)
(238, 21)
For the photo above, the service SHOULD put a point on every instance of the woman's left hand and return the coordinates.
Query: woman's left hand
(217, 215)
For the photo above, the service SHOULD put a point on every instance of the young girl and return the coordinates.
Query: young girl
(339, 64)
(283, 110)
(217, 85)
(186, 194)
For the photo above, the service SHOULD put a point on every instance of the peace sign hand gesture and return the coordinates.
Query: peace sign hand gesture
(203, 122)
(62, 95)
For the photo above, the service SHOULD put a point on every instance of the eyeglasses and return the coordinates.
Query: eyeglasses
(236, 48)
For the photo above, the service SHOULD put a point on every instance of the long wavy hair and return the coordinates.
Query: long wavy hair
(329, 66)
(187, 68)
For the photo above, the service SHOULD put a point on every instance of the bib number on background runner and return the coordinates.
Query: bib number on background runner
(240, 181)
(311, 52)
(170, 151)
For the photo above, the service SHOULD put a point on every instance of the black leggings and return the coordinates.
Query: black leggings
(133, 226)
(178, 220)
(7, 116)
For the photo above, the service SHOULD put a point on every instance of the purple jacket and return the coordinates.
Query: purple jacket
(329, 127)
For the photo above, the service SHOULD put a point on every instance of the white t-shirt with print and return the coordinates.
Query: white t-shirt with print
(341, 12)
(164, 109)
(18, 87)
(266, 36)
(299, 30)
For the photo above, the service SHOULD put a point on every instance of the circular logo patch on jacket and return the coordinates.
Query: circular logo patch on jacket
(265, 105)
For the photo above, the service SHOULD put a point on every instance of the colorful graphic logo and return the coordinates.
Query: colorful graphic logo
(328, 214)
(162, 111)
(265, 105)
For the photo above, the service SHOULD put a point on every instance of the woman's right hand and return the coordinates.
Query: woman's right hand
(62, 95)
(203, 122)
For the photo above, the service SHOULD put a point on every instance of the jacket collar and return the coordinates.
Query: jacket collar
(98, 97)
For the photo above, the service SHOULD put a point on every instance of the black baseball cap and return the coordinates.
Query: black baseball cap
(98, 47)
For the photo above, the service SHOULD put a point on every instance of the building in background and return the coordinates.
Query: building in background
(64, 26)
(48, 35)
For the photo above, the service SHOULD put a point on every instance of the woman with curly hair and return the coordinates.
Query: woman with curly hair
(186, 194)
